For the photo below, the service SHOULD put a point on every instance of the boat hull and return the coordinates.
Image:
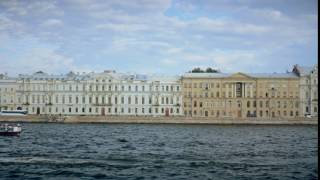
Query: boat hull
(9, 133)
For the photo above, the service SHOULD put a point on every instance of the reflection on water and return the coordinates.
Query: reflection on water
(115, 151)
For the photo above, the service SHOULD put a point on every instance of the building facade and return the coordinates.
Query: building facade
(216, 95)
(107, 93)
(241, 95)
(308, 89)
(8, 96)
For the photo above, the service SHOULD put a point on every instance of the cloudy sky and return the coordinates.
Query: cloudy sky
(157, 36)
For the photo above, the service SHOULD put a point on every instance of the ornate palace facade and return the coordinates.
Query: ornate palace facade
(107, 93)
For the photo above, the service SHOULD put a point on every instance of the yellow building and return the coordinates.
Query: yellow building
(241, 95)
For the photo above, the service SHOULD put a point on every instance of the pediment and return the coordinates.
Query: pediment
(240, 75)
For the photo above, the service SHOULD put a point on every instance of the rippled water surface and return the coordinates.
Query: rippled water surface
(133, 151)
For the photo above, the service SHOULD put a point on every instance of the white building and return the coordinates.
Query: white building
(308, 89)
(106, 93)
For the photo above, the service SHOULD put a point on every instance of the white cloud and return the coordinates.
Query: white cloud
(38, 59)
(52, 22)
(169, 62)
(7, 24)
(24, 8)
(226, 26)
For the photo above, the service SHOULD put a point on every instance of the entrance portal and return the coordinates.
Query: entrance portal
(239, 114)
(103, 112)
(167, 111)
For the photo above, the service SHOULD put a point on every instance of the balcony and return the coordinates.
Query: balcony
(102, 104)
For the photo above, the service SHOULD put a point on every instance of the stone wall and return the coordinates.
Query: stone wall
(154, 120)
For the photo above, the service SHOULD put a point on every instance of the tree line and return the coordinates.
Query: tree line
(208, 70)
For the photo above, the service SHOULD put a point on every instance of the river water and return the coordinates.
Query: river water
(137, 151)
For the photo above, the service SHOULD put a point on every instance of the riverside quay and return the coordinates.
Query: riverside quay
(217, 95)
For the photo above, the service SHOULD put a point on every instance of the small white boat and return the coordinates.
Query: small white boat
(13, 113)
(10, 130)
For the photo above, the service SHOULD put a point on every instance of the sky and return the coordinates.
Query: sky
(157, 36)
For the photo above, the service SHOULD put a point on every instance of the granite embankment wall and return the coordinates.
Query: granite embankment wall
(154, 120)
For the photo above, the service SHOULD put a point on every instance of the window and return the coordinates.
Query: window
(136, 100)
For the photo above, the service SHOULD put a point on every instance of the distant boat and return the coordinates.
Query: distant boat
(13, 113)
(10, 130)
